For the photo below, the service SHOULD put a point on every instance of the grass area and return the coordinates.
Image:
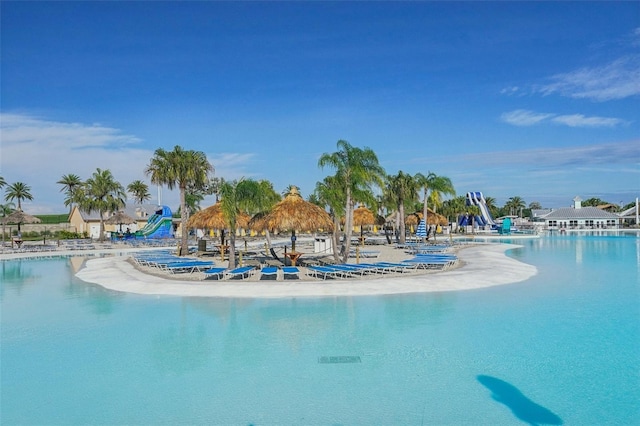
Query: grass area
(52, 219)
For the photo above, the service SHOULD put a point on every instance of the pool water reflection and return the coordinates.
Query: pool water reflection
(560, 348)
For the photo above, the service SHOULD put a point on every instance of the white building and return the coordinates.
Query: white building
(578, 217)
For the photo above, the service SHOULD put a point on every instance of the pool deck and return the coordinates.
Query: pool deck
(482, 265)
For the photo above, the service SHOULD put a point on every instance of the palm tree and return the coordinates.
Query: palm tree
(535, 205)
(438, 185)
(181, 169)
(214, 187)
(3, 182)
(515, 205)
(491, 205)
(454, 207)
(330, 193)
(357, 170)
(139, 190)
(102, 194)
(402, 188)
(5, 210)
(70, 185)
(18, 191)
(236, 197)
(193, 198)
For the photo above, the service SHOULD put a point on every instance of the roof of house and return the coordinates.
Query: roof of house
(540, 212)
(136, 211)
(581, 213)
(628, 212)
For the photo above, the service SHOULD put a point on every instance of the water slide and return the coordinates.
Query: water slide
(159, 225)
(477, 199)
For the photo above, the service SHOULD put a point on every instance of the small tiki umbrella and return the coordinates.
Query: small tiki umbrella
(363, 216)
(120, 218)
(433, 218)
(19, 217)
(213, 218)
(294, 213)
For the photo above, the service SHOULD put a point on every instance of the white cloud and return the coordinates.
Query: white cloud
(512, 90)
(617, 80)
(618, 155)
(522, 117)
(39, 152)
(579, 120)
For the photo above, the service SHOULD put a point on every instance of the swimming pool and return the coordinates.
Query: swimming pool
(562, 347)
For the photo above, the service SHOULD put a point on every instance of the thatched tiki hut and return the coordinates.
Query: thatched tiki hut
(433, 218)
(18, 217)
(294, 213)
(362, 216)
(213, 218)
(120, 218)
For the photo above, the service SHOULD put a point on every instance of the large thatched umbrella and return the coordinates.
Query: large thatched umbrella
(120, 218)
(19, 217)
(294, 213)
(433, 218)
(213, 218)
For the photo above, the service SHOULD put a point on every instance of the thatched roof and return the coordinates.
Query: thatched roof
(213, 218)
(433, 218)
(363, 216)
(120, 218)
(19, 217)
(294, 213)
(414, 218)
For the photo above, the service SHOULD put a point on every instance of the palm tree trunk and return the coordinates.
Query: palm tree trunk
(334, 237)
(425, 211)
(184, 247)
(401, 225)
(346, 244)
(101, 239)
(232, 247)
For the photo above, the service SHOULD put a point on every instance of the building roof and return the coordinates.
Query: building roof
(628, 212)
(540, 212)
(136, 211)
(581, 213)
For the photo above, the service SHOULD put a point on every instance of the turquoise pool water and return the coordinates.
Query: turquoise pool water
(560, 348)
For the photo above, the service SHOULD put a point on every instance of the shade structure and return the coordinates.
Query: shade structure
(19, 217)
(433, 218)
(421, 231)
(120, 218)
(363, 216)
(294, 213)
(213, 218)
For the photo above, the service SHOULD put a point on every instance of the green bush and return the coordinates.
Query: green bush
(67, 235)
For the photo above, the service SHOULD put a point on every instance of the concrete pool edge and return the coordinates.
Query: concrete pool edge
(485, 265)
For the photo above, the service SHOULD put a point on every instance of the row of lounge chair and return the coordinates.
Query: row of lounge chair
(268, 272)
(172, 264)
(169, 263)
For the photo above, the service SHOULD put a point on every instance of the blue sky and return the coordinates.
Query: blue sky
(538, 100)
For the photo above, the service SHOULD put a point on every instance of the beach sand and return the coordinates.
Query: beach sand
(481, 265)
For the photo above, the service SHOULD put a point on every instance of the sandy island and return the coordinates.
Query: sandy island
(483, 265)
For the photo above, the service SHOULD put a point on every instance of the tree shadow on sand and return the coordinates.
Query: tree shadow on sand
(521, 406)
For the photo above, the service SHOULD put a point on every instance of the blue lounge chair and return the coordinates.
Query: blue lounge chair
(325, 272)
(216, 273)
(269, 271)
(241, 272)
(291, 272)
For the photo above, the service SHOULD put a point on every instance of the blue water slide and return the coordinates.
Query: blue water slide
(477, 199)
(159, 225)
